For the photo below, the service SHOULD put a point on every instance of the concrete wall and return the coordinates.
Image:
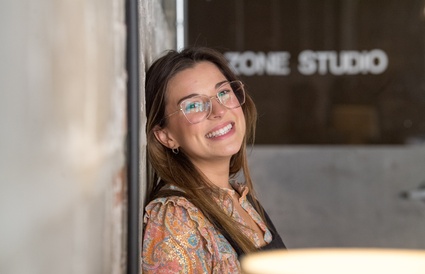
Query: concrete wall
(62, 198)
(346, 196)
(157, 34)
(63, 129)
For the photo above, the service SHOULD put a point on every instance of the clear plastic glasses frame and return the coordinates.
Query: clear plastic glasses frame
(197, 108)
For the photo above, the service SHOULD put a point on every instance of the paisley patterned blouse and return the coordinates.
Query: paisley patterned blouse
(179, 239)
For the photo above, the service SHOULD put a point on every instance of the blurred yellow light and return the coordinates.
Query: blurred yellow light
(335, 261)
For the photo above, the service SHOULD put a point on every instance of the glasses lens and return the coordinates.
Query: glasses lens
(196, 108)
(231, 94)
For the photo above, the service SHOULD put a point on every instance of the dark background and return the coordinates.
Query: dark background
(387, 108)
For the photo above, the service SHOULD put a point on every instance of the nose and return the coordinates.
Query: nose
(217, 109)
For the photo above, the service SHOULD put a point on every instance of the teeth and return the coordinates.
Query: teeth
(219, 132)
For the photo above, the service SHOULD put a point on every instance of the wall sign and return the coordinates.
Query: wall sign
(324, 71)
(310, 62)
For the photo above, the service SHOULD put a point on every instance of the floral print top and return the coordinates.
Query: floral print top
(178, 238)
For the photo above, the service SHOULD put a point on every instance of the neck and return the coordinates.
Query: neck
(217, 173)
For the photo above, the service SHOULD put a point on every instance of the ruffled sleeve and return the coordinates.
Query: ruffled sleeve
(179, 239)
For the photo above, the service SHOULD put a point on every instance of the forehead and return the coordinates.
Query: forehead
(199, 79)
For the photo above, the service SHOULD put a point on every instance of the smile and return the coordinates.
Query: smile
(220, 132)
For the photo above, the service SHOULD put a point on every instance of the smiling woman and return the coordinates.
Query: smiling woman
(199, 219)
(198, 131)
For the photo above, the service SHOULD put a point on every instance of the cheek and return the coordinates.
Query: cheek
(176, 128)
(184, 132)
(242, 118)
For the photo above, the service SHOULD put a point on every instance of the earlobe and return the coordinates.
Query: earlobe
(163, 136)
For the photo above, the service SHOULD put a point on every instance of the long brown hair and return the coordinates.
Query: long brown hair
(166, 167)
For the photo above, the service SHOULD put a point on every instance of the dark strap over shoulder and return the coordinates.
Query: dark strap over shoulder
(276, 243)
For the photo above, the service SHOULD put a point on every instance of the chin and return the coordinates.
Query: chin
(232, 151)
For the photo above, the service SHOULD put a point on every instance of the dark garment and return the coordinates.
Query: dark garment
(276, 242)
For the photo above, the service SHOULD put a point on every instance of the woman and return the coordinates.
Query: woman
(199, 219)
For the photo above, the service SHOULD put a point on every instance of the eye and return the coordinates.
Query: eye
(224, 94)
(193, 106)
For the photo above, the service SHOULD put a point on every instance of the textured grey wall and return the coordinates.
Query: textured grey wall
(63, 92)
(342, 196)
(157, 34)
(63, 127)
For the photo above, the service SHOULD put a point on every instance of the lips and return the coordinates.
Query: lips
(220, 132)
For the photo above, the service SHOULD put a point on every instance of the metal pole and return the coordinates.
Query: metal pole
(133, 119)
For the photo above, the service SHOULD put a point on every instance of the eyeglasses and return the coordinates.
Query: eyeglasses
(199, 107)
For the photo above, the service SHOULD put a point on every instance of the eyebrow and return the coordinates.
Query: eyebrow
(196, 94)
(187, 97)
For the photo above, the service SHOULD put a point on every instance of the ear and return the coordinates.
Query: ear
(164, 137)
